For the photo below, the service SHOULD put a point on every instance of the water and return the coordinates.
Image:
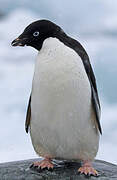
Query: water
(96, 32)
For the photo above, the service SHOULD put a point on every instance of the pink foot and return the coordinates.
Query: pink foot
(46, 163)
(87, 169)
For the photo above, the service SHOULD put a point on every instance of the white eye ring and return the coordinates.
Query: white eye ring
(36, 33)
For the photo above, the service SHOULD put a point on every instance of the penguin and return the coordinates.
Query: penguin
(63, 114)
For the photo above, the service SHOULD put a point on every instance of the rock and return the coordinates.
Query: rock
(63, 171)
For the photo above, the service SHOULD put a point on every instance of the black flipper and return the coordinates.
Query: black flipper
(28, 116)
(95, 98)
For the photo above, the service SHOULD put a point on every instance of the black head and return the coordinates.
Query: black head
(36, 33)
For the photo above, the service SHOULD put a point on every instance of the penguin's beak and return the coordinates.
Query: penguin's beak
(19, 42)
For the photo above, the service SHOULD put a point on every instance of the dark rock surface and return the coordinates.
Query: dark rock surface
(64, 171)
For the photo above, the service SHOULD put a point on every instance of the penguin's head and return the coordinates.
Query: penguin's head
(35, 34)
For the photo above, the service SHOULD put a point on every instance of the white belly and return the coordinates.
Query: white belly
(62, 121)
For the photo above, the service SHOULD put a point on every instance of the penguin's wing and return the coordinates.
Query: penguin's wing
(95, 98)
(28, 116)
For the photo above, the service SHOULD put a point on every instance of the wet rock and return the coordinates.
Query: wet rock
(63, 170)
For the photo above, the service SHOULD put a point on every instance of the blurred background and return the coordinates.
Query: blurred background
(94, 24)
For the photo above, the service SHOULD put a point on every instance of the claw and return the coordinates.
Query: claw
(44, 164)
(87, 169)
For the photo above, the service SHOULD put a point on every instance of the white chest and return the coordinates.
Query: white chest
(61, 103)
(58, 66)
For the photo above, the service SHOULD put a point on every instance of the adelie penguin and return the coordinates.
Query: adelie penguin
(63, 113)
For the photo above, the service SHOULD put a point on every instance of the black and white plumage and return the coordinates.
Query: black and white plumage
(64, 109)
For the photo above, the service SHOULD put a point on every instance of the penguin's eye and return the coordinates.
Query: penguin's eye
(36, 33)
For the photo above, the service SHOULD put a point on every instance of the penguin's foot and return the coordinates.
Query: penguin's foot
(87, 169)
(44, 164)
